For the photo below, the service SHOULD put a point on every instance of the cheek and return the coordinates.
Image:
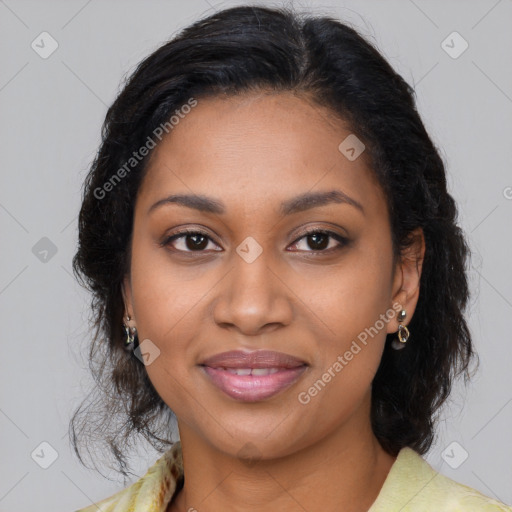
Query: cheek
(165, 311)
(351, 296)
(351, 305)
(164, 295)
(168, 304)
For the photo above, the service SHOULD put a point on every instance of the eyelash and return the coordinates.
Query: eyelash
(342, 241)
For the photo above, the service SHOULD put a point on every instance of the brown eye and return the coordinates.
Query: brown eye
(189, 241)
(320, 241)
(196, 242)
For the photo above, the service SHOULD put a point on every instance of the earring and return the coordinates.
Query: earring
(130, 334)
(403, 332)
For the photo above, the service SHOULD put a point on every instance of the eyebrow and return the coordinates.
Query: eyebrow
(300, 203)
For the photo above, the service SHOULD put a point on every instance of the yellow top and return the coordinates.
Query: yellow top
(411, 485)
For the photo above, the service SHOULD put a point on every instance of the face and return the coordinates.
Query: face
(301, 289)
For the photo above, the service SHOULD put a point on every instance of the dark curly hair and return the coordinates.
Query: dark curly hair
(233, 52)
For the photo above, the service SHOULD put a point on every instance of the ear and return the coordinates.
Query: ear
(406, 280)
(126, 290)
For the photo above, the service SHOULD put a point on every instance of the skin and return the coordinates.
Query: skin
(251, 153)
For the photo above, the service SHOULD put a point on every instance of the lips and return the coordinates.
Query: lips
(253, 376)
(256, 359)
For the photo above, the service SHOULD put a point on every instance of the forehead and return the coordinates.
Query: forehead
(261, 144)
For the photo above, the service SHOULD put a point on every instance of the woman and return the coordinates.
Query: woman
(275, 264)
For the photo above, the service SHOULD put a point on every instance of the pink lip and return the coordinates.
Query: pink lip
(285, 368)
(249, 388)
(255, 359)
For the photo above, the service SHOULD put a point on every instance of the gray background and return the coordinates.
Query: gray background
(51, 113)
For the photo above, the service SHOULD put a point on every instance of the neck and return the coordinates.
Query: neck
(346, 468)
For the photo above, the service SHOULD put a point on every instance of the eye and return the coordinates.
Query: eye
(199, 241)
(321, 241)
(189, 241)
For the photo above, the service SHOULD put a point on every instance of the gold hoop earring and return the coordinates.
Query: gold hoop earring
(403, 332)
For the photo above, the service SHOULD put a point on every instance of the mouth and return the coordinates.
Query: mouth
(253, 376)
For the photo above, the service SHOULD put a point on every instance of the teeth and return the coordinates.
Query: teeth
(263, 371)
(239, 371)
(252, 371)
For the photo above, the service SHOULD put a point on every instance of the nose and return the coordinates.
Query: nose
(253, 298)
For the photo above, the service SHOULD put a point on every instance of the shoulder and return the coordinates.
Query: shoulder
(152, 492)
(412, 485)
